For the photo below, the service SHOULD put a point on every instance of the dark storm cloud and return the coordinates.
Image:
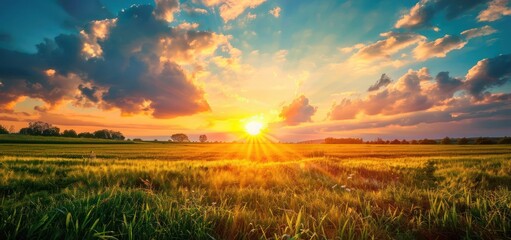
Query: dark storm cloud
(488, 73)
(128, 63)
(5, 37)
(424, 11)
(381, 83)
(446, 86)
(85, 11)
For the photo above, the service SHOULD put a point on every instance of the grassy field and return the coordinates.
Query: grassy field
(254, 191)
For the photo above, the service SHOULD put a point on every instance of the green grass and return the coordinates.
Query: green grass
(260, 191)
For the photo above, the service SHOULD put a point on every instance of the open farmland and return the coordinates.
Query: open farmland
(254, 191)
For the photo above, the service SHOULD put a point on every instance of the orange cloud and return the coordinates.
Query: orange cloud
(298, 111)
(496, 10)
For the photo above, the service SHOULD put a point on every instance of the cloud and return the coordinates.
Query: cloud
(415, 92)
(381, 83)
(421, 14)
(441, 46)
(165, 9)
(275, 12)
(280, 56)
(298, 111)
(438, 48)
(5, 37)
(478, 32)
(135, 63)
(496, 10)
(488, 73)
(231, 9)
(393, 43)
(85, 11)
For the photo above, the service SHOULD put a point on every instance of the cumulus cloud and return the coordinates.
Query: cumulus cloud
(134, 63)
(417, 91)
(84, 11)
(393, 43)
(488, 73)
(298, 111)
(381, 83)
(496, 10)
(231, 9)
(441, 46)
(421, 14)
(478, 32)
(405, 95)
(275, 12)
(165, 9)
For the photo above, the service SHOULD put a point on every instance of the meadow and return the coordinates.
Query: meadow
(254, 191)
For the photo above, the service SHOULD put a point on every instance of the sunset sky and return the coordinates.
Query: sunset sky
(307, 69)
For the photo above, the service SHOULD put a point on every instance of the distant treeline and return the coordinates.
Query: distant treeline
(446, 140)
(47, 129)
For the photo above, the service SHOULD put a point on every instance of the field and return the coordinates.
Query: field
(254, 191)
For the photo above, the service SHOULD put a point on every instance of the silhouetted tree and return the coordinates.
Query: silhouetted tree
(203, 138)
(404, 141)
(40, 129)
(137, 140)
(481, 140)
(179, 137)
(395, 141)
(427, 141)
(86, 135)
(3, 130)
(446, 140)
(462, 141)
(414, 142)
(108, 134)
(52, 131)
(11, 129)
(505, 140)
(69, 133)
(344, 141)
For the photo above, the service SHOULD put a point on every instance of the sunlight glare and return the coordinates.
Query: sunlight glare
(254, 127)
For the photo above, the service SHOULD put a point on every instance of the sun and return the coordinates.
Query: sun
(254, 127)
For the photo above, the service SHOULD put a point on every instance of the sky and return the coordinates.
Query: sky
(306, 69)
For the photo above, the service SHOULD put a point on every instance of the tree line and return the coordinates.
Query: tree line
(446, 140)
(46, 129)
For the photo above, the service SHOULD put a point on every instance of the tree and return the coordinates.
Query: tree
(203, 138)
(446, 140)
(40, 129)
(12, 129)
(505, 140)
(3, 130)
(70, 133)
(427, 141)
(52, 131)
(481, 140)
(395, 141)
(462, 141)
(108, 134)
(179, 137)
(86, 135)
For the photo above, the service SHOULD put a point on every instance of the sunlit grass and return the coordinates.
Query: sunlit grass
(255, 190)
